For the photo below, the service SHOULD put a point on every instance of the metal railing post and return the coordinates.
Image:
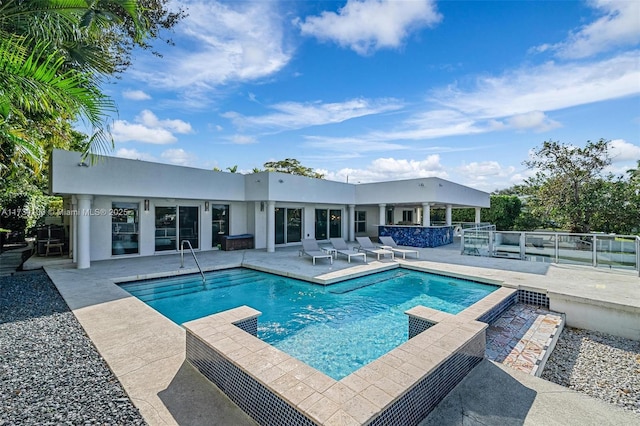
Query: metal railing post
(594, 251)
(194, 258)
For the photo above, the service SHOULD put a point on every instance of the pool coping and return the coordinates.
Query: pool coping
(225, 349)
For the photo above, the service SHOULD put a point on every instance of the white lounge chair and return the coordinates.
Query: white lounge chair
(368, 247)
(391, 244)
(342, 248)
(311, 248)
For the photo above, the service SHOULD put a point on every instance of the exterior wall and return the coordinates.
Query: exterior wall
(116, 179)
(134, 178)
(100, 224)
(372, 221)
(302, 189)
(420, 190)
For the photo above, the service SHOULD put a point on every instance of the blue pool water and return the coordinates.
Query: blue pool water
(336, 329)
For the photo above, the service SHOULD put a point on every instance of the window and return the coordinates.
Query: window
(124, 228)
(407, 216)
(361, 221)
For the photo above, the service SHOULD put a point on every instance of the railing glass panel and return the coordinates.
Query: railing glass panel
(616, 252)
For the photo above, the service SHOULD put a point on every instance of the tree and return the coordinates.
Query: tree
(55, 54)
(503, 213)
(292, 167)
(567, 179)
(233, 169)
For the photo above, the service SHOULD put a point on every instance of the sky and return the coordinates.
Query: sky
(366, 91)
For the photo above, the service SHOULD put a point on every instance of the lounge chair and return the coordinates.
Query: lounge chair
(311, 248)
(389, 242)
(368, 247)
(342, 248)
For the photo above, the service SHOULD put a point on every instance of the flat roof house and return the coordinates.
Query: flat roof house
(119, 207)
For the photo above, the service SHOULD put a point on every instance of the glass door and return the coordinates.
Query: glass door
(288, 225)
(219, 223)
(321, 224)
(166, 229)
(335, 224)
(188, 217)
(294, 225)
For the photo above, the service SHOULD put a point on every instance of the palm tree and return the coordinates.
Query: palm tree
(52, 68)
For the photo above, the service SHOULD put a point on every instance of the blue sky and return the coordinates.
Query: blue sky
(381, 90)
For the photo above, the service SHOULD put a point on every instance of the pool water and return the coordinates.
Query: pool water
(336, 329)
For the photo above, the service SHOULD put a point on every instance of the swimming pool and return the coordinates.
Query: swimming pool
(336, 329)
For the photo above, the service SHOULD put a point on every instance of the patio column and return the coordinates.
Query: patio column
(382, 214)
(352, 222)
(448, 215)
(84, 231)
(74, 229)
(477, 214)
(271, 226)
(426, 214)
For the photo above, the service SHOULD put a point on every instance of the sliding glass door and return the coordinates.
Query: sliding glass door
(328, 224)
(288, 225)
(188, 217)
(168, 234)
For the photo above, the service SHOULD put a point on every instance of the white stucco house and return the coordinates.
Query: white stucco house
(120, 207)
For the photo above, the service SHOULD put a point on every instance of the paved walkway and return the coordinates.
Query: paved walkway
(146, 350)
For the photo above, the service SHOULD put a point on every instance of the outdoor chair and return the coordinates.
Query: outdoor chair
(390, 243)
(368, 247)
(342, 248)
(311, 248)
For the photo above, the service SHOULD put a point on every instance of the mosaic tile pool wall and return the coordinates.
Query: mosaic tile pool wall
(435, 368)
(250, 395)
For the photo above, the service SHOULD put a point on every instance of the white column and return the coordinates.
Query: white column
(271, 226)
(84, 231)
(74, 228)
(448, 215)
(477, 214)
(426, 214)
(382, 219)
(352, 222)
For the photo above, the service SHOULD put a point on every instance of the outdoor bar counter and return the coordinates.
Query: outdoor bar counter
(418, 236)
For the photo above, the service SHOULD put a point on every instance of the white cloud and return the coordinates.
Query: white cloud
(547, 87)
(147, 128)
(621, 150)
(482, 170)
(135, 95)
(353, 145)
(294, 115)
(179, 157)
(536, 120)
(134, 154)
(149, 119)
(222, 43)
(123, 131)
(242, 139)
(619, 26)
(368, 25)
(383, 169)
